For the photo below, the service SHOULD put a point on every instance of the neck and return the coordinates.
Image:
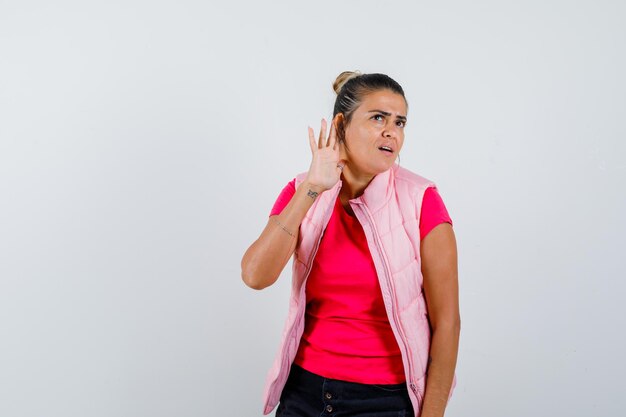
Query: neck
(354, 184)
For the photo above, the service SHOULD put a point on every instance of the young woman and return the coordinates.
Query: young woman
(373, 324)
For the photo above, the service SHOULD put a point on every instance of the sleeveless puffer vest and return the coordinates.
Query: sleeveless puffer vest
(389, 211)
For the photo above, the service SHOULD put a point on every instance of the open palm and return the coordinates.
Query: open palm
(326, 166)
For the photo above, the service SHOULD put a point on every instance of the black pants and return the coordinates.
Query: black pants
(310, 395)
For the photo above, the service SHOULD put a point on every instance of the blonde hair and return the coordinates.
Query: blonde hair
(343, 78)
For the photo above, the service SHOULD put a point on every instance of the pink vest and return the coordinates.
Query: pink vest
(389, 211)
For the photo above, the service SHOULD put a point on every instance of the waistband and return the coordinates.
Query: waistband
(299, 373)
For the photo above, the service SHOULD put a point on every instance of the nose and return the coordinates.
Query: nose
(391, 131)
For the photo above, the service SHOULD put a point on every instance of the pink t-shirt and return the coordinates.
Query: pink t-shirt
(347, 334)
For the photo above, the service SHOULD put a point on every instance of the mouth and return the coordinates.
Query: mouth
(385, 149)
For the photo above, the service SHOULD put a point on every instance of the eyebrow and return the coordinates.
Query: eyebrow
(403, 118)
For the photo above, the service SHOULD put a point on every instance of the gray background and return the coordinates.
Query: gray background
(144, 143)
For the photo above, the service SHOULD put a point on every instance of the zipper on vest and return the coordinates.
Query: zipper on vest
(387, 273)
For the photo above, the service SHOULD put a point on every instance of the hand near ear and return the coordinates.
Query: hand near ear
(326, 164)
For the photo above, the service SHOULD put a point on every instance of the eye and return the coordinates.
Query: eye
(377, 115)
(401, 123)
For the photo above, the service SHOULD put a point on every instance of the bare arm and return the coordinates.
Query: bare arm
(439, 267)
(265, 259)
(267, 256)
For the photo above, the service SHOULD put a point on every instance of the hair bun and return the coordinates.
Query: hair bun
(343, 78)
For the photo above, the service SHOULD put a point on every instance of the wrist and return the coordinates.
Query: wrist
(312, 190)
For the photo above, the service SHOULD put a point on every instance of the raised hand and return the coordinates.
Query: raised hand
(326, 165)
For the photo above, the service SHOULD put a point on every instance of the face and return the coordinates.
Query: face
(375, 134)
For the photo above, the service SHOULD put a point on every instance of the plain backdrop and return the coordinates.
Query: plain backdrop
(143, 143)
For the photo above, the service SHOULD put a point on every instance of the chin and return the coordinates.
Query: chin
(387, 166)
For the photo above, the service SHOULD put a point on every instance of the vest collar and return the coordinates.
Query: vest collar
(377, 192)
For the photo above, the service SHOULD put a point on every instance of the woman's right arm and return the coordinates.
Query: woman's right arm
(265, 259)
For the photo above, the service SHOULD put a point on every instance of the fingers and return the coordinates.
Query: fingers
(322, 140)
(312, 140)
(332, 140)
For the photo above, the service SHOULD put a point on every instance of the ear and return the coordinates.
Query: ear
(340, 127)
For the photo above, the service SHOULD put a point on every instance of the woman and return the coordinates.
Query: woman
(373, 323)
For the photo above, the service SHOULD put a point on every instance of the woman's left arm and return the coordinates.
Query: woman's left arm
(441, 289)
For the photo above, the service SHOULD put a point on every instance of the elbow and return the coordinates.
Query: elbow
(456, 325)
(449, 326)
(257, 273)
(250, 281)
(250, 277)
(246, 274)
